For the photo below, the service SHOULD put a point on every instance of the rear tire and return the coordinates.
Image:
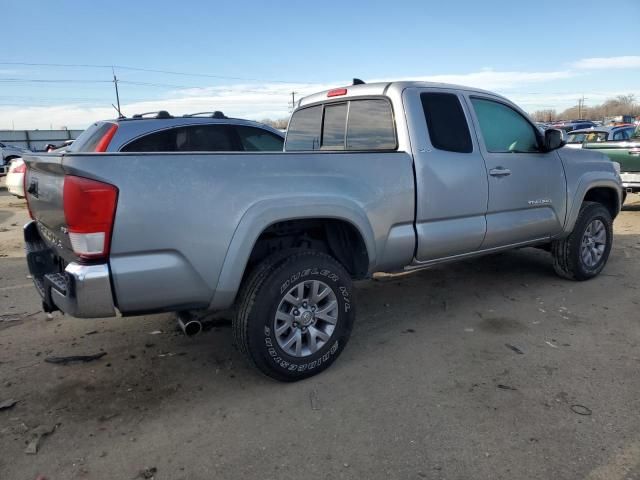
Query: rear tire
(584, 253)
(295, 314)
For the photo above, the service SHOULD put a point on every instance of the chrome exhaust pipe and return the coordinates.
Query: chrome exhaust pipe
(189, 326)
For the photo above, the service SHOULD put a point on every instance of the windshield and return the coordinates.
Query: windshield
(587, 137)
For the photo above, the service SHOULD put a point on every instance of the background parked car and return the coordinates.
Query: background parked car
(162, 132)
(627, 154)
(50, 147)
(576, 138)
(571, 125)
(15, 177)
(8, 153)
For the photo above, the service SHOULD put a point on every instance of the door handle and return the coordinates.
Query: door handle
(499, 172)
(635, 153)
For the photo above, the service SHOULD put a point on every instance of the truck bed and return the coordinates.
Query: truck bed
(180, 215)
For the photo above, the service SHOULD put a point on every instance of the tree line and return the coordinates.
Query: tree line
(280, 123)
(620, 105)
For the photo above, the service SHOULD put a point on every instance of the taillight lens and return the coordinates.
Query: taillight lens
(22, 168)
(106, 138)
(336, 92)
(26, 192)
(89, 211)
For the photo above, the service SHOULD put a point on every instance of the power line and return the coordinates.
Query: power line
(130, 82)
(149, 70)
(213, 89)
(29, 64)
(31, 97)
(49, 80)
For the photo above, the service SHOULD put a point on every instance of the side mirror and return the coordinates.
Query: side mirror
(553, 139)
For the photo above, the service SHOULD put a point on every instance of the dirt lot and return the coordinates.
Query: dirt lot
(488, 369)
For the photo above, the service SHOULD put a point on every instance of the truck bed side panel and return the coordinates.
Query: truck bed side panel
(177, 213)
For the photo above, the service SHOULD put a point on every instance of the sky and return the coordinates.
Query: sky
(246, 57)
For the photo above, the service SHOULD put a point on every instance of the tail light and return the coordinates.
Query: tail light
(89, 211)
(106, 138)
(25, 190)
(336, 92)
(20, 168)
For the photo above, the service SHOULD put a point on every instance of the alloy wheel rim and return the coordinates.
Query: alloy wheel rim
(306, 318)
(594, 242)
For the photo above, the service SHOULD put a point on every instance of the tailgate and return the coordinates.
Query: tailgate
(44, 185)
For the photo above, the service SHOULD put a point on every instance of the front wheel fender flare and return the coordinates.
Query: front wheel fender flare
(588, 182)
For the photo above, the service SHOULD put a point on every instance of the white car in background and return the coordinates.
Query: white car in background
(15, 177)
(8, 153)
(576, 138)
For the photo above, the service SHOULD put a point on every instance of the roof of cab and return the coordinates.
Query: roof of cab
(383, 88)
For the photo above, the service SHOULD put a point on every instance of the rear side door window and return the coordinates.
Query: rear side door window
(162, 141)
(504, 130)
(206, 138)
(447, 125)
(258, 140)
(192, 138)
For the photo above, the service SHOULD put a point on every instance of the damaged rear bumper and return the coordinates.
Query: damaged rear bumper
(79, 290)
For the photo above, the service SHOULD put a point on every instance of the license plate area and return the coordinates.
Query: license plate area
(46, 268)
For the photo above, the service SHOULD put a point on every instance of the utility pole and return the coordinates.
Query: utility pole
(580, 106)
(293, 101)
(115, 83)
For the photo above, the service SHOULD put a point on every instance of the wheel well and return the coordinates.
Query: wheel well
(606, 196)
(338, 238)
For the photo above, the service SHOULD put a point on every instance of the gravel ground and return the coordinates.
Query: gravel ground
(486, 369)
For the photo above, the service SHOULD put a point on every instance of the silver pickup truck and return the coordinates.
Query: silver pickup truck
(374, 178)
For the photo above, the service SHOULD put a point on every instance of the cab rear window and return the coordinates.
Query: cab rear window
(364, 124)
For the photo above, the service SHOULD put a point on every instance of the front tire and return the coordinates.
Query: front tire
(584, 253)
(295, 315)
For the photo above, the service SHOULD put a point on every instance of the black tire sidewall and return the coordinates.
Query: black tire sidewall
(591, 213)
(263, 346)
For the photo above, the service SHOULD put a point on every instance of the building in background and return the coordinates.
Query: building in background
(37, 140)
